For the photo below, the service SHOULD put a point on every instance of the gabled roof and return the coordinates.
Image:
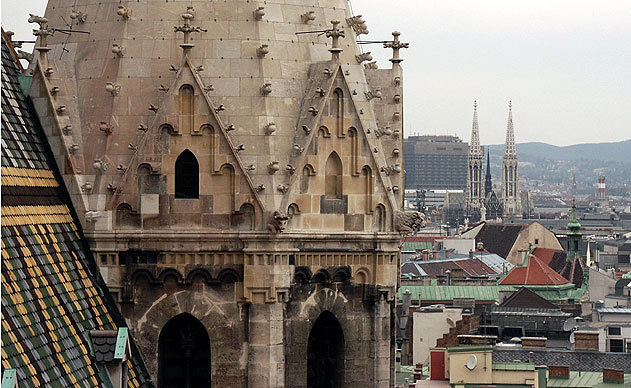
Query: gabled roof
(534, 272)
(546, 254)
(527, 298)
(51, 294)
(499, 238)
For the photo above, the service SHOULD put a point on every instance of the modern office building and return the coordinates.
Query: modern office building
(435, 162)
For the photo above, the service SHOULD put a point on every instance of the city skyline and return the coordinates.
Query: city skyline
(562, 67)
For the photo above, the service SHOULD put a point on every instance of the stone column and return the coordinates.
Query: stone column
(266, 358)
(382, 342)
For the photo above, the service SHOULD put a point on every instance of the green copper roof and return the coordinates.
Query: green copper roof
(574, 225)
(517, 366)
(488, 294)
(586, 379)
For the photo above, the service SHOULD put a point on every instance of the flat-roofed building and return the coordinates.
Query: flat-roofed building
(435, 162)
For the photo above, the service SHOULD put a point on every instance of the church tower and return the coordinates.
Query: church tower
(237, 167)
(510, 176)
(475, 158)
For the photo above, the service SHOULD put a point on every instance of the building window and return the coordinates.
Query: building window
(536, 241)
(186, 176)
(613, 331)
(616, 345)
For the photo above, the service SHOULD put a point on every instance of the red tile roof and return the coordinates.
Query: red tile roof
(545, 254)
(535, 273)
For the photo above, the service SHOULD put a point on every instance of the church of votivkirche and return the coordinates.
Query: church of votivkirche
(237, 171)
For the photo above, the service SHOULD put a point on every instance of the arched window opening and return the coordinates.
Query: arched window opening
(325, 353)
(186, 176)
(333, 178)
(184, 354)
(187, 98)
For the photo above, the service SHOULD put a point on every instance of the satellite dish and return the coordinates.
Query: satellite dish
(472, 362)
(569, 324)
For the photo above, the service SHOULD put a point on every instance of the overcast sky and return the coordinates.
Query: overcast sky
(566, 65)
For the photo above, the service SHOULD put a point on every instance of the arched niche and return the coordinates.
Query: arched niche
(184, 354)
(305, 179)
(333, 180)
(355, 150)
(368, 187)
(186, 176)
(325, 353)
(337, 111)
(292, 212)
(244, 218)
(223, 189)
(187, 108)
(125, 218)
(380, 218)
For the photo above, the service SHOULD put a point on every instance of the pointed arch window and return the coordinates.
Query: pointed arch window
(186, 176)
(184, 354)
(325, 353)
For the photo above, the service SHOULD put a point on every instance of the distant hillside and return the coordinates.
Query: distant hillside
(608, 152)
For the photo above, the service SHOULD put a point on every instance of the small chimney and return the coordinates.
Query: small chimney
(406, 302)
(613, 376)
(425, 255)
(586, 340)
(480, 246)
(447, 254)
(418, 372)
(559, 372)
(435, 254)
(533, 342)
(471, 254)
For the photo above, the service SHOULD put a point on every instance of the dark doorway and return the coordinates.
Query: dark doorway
(184, 354)
(186, 176)
(325, 353)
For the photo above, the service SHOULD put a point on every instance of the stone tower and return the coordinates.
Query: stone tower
(238, 170)
(475, 161)
(510, 177)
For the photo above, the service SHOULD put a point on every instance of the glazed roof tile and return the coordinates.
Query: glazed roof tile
(50, 297)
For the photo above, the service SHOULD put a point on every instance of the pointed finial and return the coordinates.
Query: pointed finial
(510, 105)
(475, 104)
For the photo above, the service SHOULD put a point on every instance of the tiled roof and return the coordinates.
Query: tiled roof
(546, 254)
(535, 272)
(499, 238)
(583, 360)
(527, 298)
(104, 343)
(50, 298)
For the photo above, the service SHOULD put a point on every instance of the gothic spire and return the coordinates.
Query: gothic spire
(488, 184)
(510, 150)
(474, 147)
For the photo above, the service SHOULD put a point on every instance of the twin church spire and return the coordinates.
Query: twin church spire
(475, 195)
